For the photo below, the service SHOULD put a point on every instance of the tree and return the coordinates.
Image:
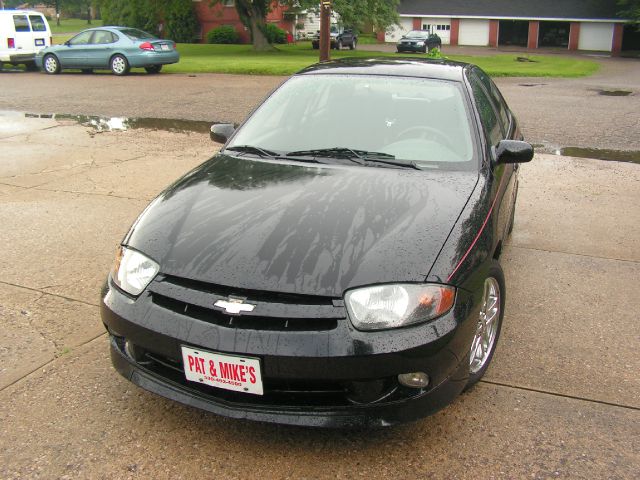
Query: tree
(253, 14)
(181, 21)
(630, 10)
(379, 13)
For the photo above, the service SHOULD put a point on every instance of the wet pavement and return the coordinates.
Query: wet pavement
(561, 399)
(552, 111)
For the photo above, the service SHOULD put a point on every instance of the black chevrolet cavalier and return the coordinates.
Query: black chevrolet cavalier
(337, 263)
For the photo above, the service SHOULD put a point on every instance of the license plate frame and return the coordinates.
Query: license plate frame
(220, 370)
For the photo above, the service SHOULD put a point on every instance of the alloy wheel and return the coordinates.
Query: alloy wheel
(488, 322)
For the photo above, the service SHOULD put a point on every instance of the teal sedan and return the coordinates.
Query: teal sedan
(115, 48)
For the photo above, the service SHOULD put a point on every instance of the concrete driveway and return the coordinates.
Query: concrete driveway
(561, 399)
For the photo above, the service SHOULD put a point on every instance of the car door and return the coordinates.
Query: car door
(23, 39)
(74, 53)
(494, 132)
(40, 32)
(100, 49)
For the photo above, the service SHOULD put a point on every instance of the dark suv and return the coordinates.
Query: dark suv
(340, 37)
(419, 41)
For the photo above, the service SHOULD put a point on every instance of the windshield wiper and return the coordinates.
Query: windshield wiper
(363, 156)
(251, 149)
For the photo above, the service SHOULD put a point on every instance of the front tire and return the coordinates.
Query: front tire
(51, 64)
(353, 44)
(119, 65)
(339, 45)
(153, 69)
(489, 324)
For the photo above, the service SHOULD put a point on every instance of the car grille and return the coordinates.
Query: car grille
(273, 310)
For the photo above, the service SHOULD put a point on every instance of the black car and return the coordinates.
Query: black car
(318, 275)
(419, 41)
(340, 37)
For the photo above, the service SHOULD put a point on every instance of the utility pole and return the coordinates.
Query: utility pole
(325, 36)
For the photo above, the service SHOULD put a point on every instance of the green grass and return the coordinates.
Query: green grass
(288, 59)
(72, 25)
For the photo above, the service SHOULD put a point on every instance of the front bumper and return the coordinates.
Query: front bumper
(337, 377)
(410, 48)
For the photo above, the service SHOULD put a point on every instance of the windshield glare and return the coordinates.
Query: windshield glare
(417, 34)
(414, 119)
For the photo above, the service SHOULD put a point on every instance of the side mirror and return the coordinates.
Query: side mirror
(220, 132)
(513, 151)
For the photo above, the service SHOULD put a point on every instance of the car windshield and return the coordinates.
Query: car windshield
(135, 34)
(422, 122)
(417, 34)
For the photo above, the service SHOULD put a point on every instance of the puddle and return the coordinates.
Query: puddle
(628, 156)
(111, 124)
(614, 93)
(602, 154)
(531, 84)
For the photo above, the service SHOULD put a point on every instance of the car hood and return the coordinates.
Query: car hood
(279, 226)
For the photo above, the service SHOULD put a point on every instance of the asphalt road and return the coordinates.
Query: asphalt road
(553, 112)
(561, 399)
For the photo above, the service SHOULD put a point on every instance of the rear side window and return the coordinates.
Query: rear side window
(37, 23)
(135, 34)
(102, 37)
(488, 115)
(496, 96)
(21, 23)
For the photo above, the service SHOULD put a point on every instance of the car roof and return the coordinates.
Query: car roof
(393, 67)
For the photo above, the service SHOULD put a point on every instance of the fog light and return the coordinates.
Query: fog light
(414, 380)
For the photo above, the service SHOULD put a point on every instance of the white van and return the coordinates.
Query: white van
(23, 33)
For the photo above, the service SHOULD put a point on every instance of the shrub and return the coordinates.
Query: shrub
(223, 34)
(275, 34)
(181, 21)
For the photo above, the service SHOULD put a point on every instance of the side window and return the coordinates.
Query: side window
(37, 23)
(496, 96)
(488, 115)
(81, 38)
(21, 23)
(102, 37)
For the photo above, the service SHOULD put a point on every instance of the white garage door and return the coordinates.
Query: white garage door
(596, 36)
(406, 25)
(474, 32)
(441, 26)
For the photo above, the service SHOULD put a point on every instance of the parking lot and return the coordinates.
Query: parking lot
(561, 399)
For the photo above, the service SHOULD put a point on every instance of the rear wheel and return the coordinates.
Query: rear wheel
(153, 69)
(119, 65)
(488, 325)
(353, 44)
(51, 64)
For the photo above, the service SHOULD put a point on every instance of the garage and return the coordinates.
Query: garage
(554, 34)
(513, 32)
(474, 32)
(441, 26)
(397, 31)
(596, 36)
(630, 38)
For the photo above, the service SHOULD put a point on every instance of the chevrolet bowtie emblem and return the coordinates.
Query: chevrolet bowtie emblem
(234, 305)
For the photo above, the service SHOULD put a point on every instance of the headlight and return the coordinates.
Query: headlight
(132, 271)
(397, 305)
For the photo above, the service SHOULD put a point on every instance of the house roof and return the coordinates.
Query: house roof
(560, 9)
